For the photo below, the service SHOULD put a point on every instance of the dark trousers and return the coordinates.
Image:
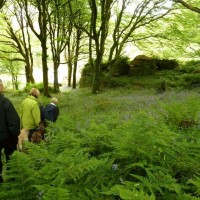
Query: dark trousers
(9, 145)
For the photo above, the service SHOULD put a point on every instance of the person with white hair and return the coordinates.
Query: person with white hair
(9, 127)
(30, 112)
(51, 110)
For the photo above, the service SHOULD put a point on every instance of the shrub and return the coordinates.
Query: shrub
(167, 64)
(39, 86)
(190, 67)
(120, 66)
(191, 80)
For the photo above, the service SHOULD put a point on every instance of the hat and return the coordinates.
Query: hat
(1, 83)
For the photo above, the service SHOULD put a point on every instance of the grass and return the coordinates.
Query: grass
(133, 128)
(121, 101)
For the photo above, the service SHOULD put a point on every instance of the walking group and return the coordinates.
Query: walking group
(31, 119)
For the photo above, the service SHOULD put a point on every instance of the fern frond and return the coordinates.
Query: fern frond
(21, 176)
(48, 192)
(158, 180)
(126, 192)
(196, 183)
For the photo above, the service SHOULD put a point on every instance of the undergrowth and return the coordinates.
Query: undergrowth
(119, 144)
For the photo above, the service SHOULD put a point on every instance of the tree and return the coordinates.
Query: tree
(24, 42)
(76, 20)
(58, 29)
(127, 23)
(97, 35)
(170, 37)
(41, 8)
(76, 55)
(18, 37)
(72, 52)
(189, 21)
(9, 66)
(95, 16)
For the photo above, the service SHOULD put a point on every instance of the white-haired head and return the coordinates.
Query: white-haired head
(54, 100)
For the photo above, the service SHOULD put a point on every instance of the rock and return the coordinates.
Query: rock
(143, 65)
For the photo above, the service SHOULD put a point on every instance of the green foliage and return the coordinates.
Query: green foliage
(181, 109)
(28, 87)
(192, 66)
(39, 86)
(191, 80)
(120, 66)
(195, 181)
(128, 191)
(184, 77)
(49, 192)
(118, 144)
(21, 177)
(158, 180)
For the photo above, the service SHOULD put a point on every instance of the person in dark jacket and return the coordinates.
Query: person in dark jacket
(9, 127)
(51, 111)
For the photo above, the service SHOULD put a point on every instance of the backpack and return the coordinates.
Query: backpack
(44, 114)
(49, 113)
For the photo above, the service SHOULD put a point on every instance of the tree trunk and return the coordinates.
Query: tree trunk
(69, 73)
(45, 68)
(69, 60)
(29, 74)
(95, 84)
(77, 49)
(74, 76)
(97, 73)
(99, 37)
(55, 84)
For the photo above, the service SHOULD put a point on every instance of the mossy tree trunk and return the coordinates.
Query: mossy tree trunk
(98, 36)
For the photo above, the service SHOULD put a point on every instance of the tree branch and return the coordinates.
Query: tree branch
(2, 2)
(188, 6)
